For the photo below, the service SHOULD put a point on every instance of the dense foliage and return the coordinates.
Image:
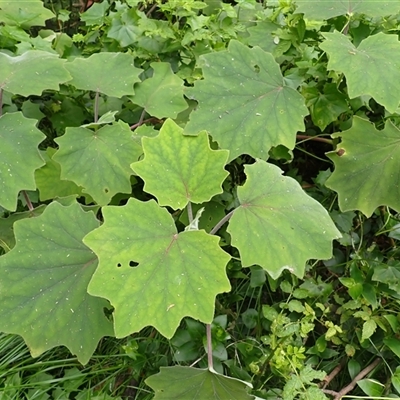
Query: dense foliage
(199, 199)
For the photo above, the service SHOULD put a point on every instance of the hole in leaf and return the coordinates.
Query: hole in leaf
(133, 264)
(119, 265)
(256, 68)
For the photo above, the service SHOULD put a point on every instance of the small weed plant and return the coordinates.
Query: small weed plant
(206, 192)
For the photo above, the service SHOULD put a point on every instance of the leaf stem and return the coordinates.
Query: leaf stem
(315, 138)
(209, 347)
(96, 106)
(28, 200)
(221, 222)
(190, 212)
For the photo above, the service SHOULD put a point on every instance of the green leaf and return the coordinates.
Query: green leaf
(124, 27)
(278, 226)
(325, 107)
(388, 274)
(368, 329)
(24, 13)
(44, 280)
(393, 344)
(396, 379)
(7, 238)
(162, 94)
(113, 74)
(371, 387)
(354, 368)
(261, 35)
(366, 174)
(244, 103)
(19, 156)
(107, 118)
(97, 160)
(96, 14)
(316, 9)
(196, 384)
(32, 72)
(363, 66)
(178, 169)
(48, 179)
(151, 274)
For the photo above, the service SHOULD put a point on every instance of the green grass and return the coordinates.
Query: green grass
(110, 374)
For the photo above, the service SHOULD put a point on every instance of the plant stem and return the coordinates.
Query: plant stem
(209, 347)
(342, 393)
(152, 119)
(315, 138)
(190, 212)
(28, 200)
(221, 222)
(96, 106)
(140, 122)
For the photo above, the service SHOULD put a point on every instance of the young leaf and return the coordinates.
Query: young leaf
(196, 384)
(333, 8)
(244, 103)
(366, 174)
(363, 66)
(151, 274)
(113, 74)
(97, 160)
(277, 226)
(178, 169)
(162, 94)
(50, 305)
(32, 72)
(19, 156)
(368, 329)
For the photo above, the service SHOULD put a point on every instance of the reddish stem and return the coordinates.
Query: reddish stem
(209, 347)
(28, 200)
(315, 138)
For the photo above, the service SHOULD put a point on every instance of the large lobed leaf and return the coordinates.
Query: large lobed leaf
(98, 160)
(363, 66)
(19, 155)
(317, 9)
(277, 225)
(244, 102)
(32, 72)
(152, 274)
(178, 169)
(113, 74)
(24, 13)
(43, 282)
(367, 167)
(196, 384)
